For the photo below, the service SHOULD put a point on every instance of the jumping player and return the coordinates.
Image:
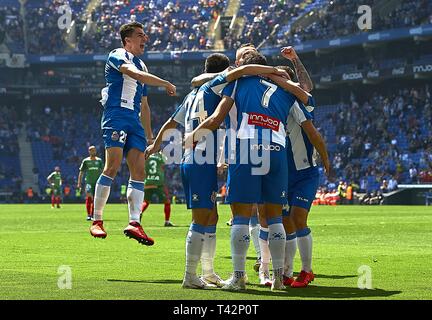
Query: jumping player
(125, 126)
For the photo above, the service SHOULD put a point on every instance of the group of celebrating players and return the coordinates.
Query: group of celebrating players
(270, 148)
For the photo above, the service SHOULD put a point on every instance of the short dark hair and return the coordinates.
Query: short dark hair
(290, 71)
(216, 62)
(127, 29)
(254, 57)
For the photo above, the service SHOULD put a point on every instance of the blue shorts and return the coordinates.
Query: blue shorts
(302, 190)
(122, 128)
(200, 185)
(270, 186)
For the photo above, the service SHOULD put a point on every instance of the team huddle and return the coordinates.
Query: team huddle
(270, 146)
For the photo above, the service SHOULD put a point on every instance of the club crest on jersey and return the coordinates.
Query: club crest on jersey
(115, 136)
(263, 120)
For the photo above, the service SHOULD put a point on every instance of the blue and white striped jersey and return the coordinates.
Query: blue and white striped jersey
(122, 91)
(196, 107)
(259, 112)
(300, 150)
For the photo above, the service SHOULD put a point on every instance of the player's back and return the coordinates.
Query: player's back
(154, 169)
(199, 104)
(259, 104)
(300, 151)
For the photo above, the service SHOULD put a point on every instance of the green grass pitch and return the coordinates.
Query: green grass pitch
(35, 241)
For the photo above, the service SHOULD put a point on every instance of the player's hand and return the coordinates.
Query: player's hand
(289, 53)
(78, 186)
(151, 149)
(171, 89)
(221, 168)
(150, 141)
(281, 73)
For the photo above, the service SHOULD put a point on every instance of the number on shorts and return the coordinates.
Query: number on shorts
(123, 136)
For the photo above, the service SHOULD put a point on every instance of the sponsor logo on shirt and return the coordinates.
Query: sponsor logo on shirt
(264, 121)
(268, 147)
(302, 199)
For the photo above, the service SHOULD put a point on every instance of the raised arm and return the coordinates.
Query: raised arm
(318, 142)
(147, 78)
(302, 75)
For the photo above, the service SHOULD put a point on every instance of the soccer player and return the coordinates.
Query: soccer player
(200, 180)
(154, 184)
(259, 120)
(126, 126)
(303, 141)
(55, 181)
(91, 167)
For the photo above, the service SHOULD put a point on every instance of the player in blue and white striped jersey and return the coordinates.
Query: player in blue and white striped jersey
(125, 126)
(199, 165)
(257, 110)
(303, 142)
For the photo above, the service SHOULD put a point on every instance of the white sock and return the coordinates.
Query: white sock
(277, 240)
(194, 245)
(254, 228)
(290, 251)
(240, 240)
(208, 250)
(304, 242)
(102, 192)
(135, 197)
(264, 247)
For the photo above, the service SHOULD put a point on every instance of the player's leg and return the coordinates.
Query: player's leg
(194, 245)
(240, 239)
(290, 246)
(135, 195)
(148, 195)
(167, 206)
(301, 204)
(276, 242)
(53, 197)
(58, 197)
(264, 270)
(113, 158)
(274, 192)
(254, 228)
(209, 251)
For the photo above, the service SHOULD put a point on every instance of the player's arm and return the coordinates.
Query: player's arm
(318, 142)
(155, 146)
(291, 87)
(302, 74)
(198, 81)
(212, 122)
(147, 78)
(80, 175)
(253, 70)
(146, 119)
